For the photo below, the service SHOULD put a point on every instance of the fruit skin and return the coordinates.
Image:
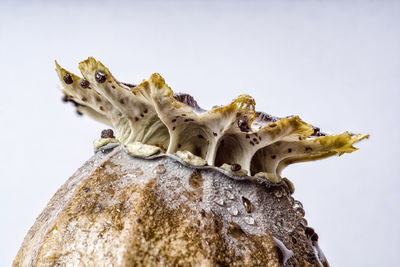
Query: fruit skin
(120, 210)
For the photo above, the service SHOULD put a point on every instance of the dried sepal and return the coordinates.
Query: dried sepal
(272, 159)
(199, 133)
(149, 119)
(135, 104)
(240, 147)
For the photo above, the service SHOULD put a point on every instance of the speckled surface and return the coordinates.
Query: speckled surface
(119, 210)
(151, 114)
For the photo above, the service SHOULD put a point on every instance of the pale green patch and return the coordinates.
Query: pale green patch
(191, 159)
(142, 150)
(104, 141)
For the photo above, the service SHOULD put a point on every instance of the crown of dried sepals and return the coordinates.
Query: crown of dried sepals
(149, 119)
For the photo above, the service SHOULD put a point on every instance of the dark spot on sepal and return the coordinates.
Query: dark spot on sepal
(107, 133)
(129, 85)
(100, 77)
(235, 167)
(84, 83)
(67, 78)
(247, 204)
(65, 99)
(243, 125)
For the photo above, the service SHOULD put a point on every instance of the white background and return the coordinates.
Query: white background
(336, 64)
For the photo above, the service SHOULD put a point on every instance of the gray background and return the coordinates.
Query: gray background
(336, 64)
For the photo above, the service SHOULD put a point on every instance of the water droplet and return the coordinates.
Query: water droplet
(278, 193)
(249, 220)
(160, 169)
(309, 231)
(233, 211)
(314, 237)
(303, 222)
(219, 201)
(297, 204)
(289, 184)
(229, 195)
(247, 205)
(300, 212)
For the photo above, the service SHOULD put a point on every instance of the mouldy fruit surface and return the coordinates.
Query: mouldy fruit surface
(176, 185)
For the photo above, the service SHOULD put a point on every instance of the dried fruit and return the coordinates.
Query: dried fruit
(162, 190)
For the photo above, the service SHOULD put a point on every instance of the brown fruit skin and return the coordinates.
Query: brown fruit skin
(119, 210)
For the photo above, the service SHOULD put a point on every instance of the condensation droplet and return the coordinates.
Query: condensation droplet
(229, 195)
(233, 211)
(247, 204)
(303, 222)
(249, 220)
(160, 169)
(297, 204)
(219, 201)
(289, 184)
(300, 212)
